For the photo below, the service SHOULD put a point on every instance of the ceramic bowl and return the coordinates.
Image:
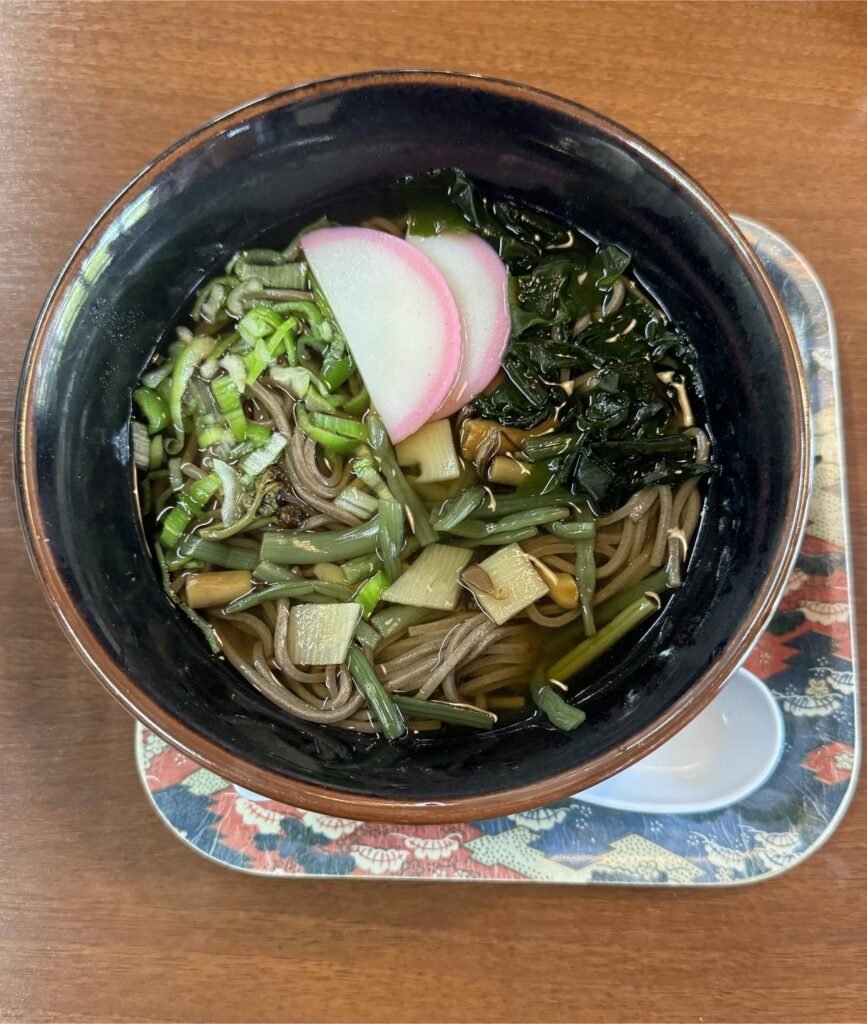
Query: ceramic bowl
(255, 174)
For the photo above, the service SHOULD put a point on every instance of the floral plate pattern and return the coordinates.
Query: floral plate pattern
(806, 657)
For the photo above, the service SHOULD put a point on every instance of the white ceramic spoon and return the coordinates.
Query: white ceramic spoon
(727, 752)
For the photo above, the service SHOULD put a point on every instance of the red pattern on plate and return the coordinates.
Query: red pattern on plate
(831, 763)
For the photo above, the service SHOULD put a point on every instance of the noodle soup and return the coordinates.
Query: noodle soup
(420, 471)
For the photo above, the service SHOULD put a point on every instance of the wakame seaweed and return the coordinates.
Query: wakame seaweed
(623, 416)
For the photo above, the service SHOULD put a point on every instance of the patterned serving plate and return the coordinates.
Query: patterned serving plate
(806, 657)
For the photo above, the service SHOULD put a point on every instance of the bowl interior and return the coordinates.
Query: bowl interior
(262, 173)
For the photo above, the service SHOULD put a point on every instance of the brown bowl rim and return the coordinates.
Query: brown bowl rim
(372, 808)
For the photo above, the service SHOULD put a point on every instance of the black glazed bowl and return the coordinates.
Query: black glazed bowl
(267, 166)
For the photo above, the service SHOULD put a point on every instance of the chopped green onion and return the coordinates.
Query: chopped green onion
(235, 298)
(296, 379)
(153, 408)
(164, 388)
(267, 349)
(358, 404)
(328, 572)
(230, 506)
(223, 346)
(229, 401)
(366, 472)
(213, 553)
(262, 257)
(341, 425)
(185, 367)
(162, 501)
(336, 370)
(285, 336)
(328, 439)
(415, 511)
(530, 517)
(357, 502)
(370, 594)
(378, 698)
(311, 313)
(158, 374)
(590, 649)
(155, 458)
(234, 366)
(293, 249)
(190, 505)
(214, 434)
(258, 323)
(276, 592)
(176, 477)
(213, 293)
(258, 434)
(357, 569)
(210, 298)
(141, 446)
(258, 461)
(299, 547)
(303, 384)
(288, 275)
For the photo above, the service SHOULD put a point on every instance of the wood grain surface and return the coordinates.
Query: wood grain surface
(103, 915)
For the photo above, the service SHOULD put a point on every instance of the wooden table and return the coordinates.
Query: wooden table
(105, 916)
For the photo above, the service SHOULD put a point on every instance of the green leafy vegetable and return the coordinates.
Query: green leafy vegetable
(153, 408)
